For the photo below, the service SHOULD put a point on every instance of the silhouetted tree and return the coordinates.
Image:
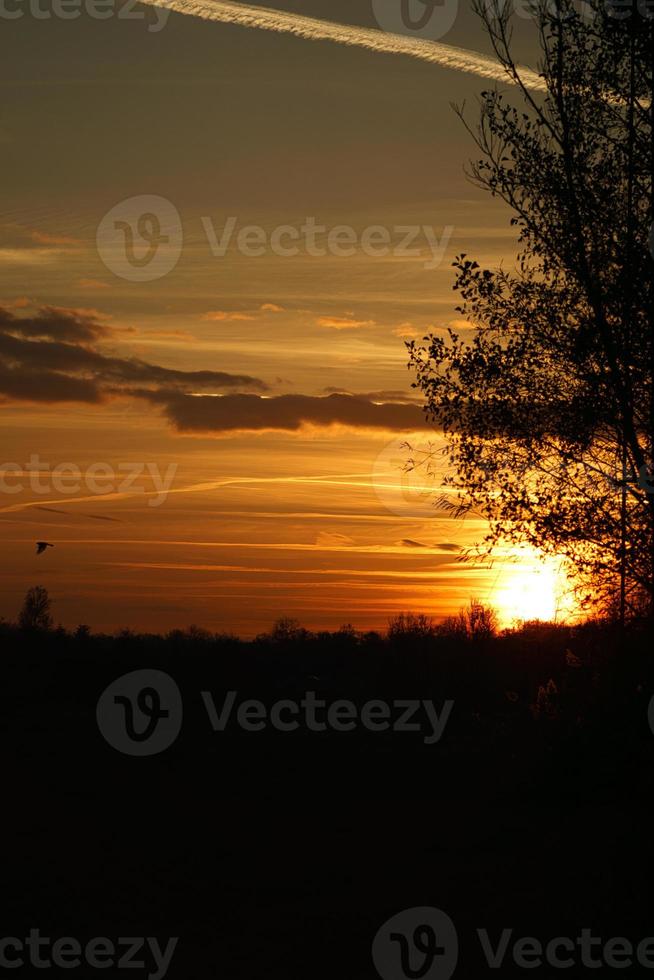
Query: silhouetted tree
(410, 626)
(285, 630)
(481, 620)
(474, 622)
(548, 409)
(35, 614)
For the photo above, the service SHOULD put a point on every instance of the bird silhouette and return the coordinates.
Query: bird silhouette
(42, 545)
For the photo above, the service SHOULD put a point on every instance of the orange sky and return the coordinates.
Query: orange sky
(278, 516)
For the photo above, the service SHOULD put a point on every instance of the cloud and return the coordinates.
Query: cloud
(271, 308)
(28, 256)
(287, 413)
(21, 384)
(185, 335)
(438, 546)
(390, 395)
(52, 355)
(407, 331)
(312, 29)
(343, 323)
(55, 354)
(43, 238)
(25, 246)
(221, 316)
(21, 303)
(332, 539)
(55, 323)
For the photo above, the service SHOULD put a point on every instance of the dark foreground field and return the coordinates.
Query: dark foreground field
(280, 854)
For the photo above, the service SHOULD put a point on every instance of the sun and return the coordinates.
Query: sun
(532, 588)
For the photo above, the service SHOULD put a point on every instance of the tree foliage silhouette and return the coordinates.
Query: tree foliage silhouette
(35, 614)
(548, 407)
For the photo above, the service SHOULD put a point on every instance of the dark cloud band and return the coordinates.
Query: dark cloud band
(50, 357)
(289, 413)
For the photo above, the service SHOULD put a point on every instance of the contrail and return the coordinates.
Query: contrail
(437, 53)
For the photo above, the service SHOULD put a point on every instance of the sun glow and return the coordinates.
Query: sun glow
(533, 588)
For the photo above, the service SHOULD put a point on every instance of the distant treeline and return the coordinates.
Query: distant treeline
(566, 679)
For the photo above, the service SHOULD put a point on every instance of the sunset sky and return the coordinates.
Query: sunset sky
(284, 495)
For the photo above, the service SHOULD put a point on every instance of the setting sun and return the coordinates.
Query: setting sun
(535, 588)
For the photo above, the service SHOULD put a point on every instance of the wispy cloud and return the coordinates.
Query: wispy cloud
(29, 256)
(343, 323)
(312, 29)
(406, 331)
(328, 539)
(44, 238)
(224, 316)
(387, 395)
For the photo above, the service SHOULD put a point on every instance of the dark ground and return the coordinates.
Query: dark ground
(281, 854)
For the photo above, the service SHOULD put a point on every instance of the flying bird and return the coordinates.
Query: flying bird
(42, 545)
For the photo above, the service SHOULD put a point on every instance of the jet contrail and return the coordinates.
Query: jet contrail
(460, 59)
